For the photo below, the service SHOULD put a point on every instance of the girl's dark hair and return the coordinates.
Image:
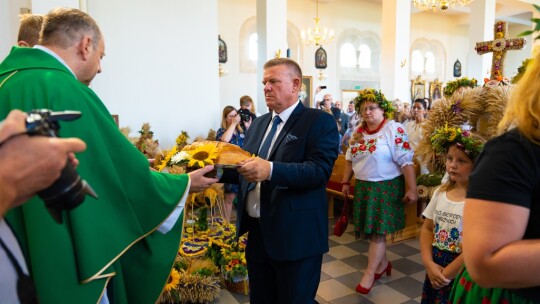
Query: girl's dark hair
(423, 101)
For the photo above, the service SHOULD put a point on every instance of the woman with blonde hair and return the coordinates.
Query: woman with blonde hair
(501, 230)
(380, 157)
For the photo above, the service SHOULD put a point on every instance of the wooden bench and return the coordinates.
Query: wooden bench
(333, 190)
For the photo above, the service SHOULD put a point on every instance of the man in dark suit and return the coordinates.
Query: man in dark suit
(282, 200)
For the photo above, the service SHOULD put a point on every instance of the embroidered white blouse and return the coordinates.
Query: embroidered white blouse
(380, 156)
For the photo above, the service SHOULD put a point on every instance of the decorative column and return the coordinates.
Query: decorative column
(482, 18)
(272, 39)
(395, 46)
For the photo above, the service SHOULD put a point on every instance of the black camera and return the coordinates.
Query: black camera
(69, 190)
(245, 115)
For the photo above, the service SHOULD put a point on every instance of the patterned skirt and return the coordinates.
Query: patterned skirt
(466, 291)
(436, 296)
(378, 207)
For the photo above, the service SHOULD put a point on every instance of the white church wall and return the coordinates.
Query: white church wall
(514, 58)
(160, 66)
(9, 23)
(232, 14)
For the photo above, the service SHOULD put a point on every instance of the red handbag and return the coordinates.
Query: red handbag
(343, 220)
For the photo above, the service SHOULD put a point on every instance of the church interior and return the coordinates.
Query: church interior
(175, 64)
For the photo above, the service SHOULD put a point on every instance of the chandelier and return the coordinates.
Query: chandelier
(434, 5)
(317, 35)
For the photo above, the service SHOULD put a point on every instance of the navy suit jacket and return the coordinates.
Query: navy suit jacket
(294, 212)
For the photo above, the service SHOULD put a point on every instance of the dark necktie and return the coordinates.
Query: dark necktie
(265, 148)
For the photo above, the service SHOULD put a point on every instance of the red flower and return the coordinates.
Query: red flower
(372, 149)
(398, 140)
(363, 141)
(406, 145)
(362, 148)
(371, 141)
(400, 130)
(354, 150)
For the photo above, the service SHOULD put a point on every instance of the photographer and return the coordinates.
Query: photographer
(246, 110)
(28, 165)
(232, 132)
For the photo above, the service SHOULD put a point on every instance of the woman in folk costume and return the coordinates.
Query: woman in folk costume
(380, 157)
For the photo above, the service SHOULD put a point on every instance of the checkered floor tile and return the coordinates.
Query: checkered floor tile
(343, 267)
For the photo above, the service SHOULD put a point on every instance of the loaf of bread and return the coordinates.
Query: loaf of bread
(228, 154)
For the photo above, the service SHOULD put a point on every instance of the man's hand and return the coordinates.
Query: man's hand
(255, 169)
(30, 163)
(199, 182)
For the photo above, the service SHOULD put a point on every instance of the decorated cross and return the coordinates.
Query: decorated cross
(499, 46)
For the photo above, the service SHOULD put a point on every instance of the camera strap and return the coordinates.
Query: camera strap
(26, 290)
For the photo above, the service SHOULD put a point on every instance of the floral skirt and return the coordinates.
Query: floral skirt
(436, 296)
(466, 291)
(378, 207)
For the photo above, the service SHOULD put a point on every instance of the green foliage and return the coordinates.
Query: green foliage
(429, 180)
(521, 70)
(452, 86)
(536, 28)
(202, 221)
(181, 264)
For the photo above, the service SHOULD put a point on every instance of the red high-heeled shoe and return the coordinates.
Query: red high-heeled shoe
(388, 271)
(361, 289)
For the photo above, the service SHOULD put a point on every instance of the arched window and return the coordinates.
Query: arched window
(347, 55)
(428, 59)
(252, 47)
(417, 63)
(359, 57)
(429, 65)
(364, 59)
(249, 51)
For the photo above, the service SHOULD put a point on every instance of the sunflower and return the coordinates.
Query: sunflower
(167, 159)
(173, 281)
(203, 155)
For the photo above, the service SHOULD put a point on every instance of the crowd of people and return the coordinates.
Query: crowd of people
(478, 242)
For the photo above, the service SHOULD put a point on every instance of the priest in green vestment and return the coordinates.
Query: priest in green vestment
(118, 248)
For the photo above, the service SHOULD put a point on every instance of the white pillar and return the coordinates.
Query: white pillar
(395, 45)
(482, 20)
(272, 37)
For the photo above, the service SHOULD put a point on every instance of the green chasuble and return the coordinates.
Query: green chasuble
(112, 240)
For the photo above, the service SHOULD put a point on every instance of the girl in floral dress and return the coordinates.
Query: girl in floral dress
(380, 157)
(440, 237)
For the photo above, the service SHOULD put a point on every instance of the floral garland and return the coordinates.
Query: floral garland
(445, 137)
(452, 86)
(378, 97)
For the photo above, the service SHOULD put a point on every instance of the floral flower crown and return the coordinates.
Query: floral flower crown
(377, 97)
(452, 86)
(445, 137)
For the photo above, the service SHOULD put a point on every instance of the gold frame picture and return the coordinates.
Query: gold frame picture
(418, 88)
(307, 81)
(435, 90)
